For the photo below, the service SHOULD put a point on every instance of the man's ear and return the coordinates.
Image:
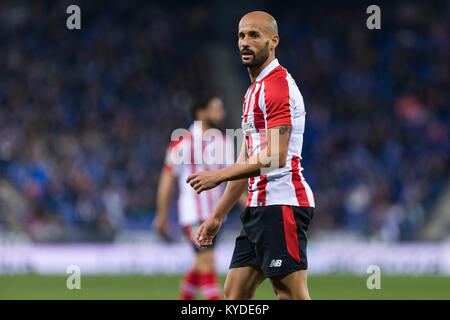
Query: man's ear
(274, 41)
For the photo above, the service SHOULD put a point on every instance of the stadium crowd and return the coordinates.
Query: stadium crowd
(85, 116)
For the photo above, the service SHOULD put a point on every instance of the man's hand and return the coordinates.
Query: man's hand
(207, 231)
(160, 225)
(204, 180)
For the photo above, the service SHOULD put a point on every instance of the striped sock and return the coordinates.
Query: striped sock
(209, 285)
(188, 288)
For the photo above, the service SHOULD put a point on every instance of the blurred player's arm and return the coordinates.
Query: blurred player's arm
(165, 186)
(273, 156)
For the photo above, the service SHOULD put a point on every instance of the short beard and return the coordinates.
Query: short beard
(260, 59)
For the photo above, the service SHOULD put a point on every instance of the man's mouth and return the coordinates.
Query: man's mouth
(246, 54)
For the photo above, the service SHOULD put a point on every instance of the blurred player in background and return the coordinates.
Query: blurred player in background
(281, 204)
(193, 208)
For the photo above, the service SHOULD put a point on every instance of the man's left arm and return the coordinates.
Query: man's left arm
(271, 157)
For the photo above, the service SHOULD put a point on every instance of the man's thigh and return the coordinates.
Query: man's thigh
(292, 286)
(242, 282)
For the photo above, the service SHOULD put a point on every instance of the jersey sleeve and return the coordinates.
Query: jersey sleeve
(276, 96)
(172, 154)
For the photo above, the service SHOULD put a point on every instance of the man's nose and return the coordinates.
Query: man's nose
(244, 43)
(244, 47)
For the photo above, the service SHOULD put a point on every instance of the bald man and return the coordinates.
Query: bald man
(272, 243)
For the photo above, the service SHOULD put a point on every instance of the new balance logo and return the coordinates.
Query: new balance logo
(275, 263)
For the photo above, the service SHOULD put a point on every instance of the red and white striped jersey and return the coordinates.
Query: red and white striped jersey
(192, 207)
(273, 100)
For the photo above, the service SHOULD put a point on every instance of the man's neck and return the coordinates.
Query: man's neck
(205, 126)
(254, 73)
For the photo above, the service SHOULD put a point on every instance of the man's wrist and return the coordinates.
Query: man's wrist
(222, 175)
(161, 215)
(217, 216)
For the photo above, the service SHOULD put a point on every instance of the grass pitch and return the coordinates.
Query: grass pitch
(162, 287)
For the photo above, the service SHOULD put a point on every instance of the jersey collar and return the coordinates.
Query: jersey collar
(269, 68)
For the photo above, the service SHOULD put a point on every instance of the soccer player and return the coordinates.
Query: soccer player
(193, 208)
(272, 243)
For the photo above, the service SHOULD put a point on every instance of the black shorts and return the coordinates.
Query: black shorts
(274, 238)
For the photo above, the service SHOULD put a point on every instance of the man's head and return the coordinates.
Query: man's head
(209, 109)
(258, 38)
